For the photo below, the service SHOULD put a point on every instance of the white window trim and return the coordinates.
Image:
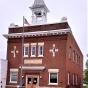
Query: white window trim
(10, 77)
(24, 51)
(77, 59)
(68, 78)
(49, 79)
(31, 50)
(38, 51)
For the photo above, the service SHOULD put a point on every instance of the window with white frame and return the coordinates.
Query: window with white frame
(74, 56)
(68, 78)
(33, 50)
(70, 51)
(26, 51)
(73, 79)
(53, 78)
(40, 50)
(13, 77)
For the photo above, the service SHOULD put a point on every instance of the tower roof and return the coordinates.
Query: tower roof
(38, 2)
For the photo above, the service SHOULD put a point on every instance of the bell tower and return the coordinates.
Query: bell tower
(39, 12)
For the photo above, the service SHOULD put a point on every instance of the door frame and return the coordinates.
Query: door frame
(31, 77)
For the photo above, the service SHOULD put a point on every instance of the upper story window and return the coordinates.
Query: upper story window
(79, 61)
(40, 50)
(26, 50)
(70, 52)
(33, 51)
(74, 56)
(77, 58)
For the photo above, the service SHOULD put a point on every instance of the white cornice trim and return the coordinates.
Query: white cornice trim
(32, 67)
(38, 33)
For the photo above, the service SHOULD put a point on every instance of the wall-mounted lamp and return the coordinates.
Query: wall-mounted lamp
(40, 77)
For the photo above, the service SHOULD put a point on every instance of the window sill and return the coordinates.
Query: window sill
(25, 56)
(13, 82)
(32, 56)
(40, 56)
(52, 84)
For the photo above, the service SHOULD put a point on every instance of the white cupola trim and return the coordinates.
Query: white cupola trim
(39, 12)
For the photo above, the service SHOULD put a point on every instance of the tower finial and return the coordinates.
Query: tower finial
(38, 2)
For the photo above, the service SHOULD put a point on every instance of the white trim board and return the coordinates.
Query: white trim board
(32, 67)
(38, 33)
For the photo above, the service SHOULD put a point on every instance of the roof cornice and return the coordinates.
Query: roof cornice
(38, 33)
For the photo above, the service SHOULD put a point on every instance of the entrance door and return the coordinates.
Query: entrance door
(32, 81)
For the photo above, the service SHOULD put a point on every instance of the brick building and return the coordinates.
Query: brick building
(44, 55)
(3, 72)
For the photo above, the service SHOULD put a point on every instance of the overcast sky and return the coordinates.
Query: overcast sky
(74, 10)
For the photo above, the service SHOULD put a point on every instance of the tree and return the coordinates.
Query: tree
(86, 74)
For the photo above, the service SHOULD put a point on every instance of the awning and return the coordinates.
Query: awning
(32, 67)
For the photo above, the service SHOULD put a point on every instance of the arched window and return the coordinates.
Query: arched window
(70, 52)
(77, 58)
(74, 56)
(79, 61)
(68, 78)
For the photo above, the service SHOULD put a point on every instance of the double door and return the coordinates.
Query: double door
(32, 81)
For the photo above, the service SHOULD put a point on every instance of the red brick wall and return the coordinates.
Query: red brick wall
(60, 61)
(72, 66)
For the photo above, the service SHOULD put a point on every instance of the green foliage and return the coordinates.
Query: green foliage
(86, 86)
(87, 64)
(86, 74)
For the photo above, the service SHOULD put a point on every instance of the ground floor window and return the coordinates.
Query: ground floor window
(68, 78)
(53, 78)
(13, 76)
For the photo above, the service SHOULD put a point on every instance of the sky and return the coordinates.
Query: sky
(12, 11)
